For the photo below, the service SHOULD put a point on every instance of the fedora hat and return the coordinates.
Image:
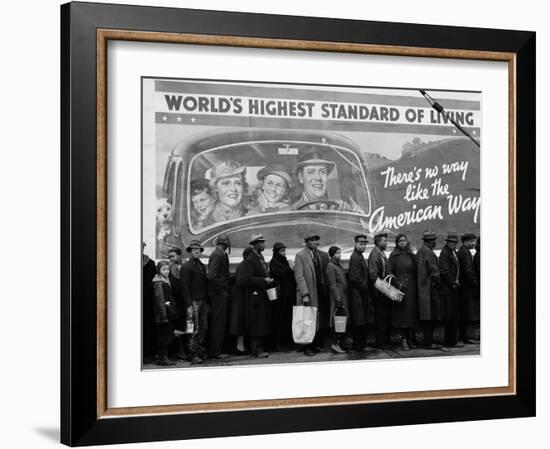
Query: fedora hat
(468, 236)
(311, 236)
(429, 234)
(278, 245)
(256, 237)
(452, 236)
(194, 244)
(313, 157)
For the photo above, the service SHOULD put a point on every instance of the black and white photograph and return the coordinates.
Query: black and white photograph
(293, 223)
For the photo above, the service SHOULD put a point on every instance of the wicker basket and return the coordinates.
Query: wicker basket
(389, 290)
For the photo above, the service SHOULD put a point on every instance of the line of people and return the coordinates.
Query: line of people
(191, 308)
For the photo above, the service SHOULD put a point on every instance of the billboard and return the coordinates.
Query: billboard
(240, 157)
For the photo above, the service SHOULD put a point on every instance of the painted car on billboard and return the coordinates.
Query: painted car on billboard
(322, 182)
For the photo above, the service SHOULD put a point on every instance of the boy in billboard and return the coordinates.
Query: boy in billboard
(203, 203)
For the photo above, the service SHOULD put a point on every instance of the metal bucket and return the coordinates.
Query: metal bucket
(340, 324)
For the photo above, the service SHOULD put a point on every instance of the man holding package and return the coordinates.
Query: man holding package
(310, 265)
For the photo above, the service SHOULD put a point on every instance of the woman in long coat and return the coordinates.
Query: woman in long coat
(338, 288)
(237, 305)
(281, 271)
(404, 314)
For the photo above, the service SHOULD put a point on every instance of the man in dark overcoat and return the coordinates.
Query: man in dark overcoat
(148, 320)
(469, 284)
(377, 264)
(358, 275)
(449, 269)
(281, 271)
(195, 294)
(310, 266)
(429, 279)
(175, 259)
(255, 279)
(218, 296)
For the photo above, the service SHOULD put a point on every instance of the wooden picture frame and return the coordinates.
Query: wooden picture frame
(86, 29)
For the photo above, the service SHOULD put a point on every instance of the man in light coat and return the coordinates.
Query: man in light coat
(310, 266)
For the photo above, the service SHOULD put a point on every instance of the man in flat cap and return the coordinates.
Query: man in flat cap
(469, 283)
(256, 280)
(312, 171)
(218, 295)
(228, 181)
(378, 263)
(449, 268)
(358, 276)
(310, 265)
(429, 280)
(195, 295)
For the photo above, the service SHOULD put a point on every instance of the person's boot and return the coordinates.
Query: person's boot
(181, 355)
(337, 348)
(163, 359)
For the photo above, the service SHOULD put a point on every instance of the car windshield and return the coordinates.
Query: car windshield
(236, 181)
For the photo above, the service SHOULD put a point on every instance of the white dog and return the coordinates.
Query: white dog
(164, 219)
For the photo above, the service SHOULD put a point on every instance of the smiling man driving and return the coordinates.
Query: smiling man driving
(312, 172)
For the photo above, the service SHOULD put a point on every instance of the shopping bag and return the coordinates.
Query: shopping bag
(304, 322)
(384, 286)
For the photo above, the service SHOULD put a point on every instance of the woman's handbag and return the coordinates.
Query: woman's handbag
(384, 286)
(304, 324)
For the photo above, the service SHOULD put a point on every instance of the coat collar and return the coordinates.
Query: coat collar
(159, 278)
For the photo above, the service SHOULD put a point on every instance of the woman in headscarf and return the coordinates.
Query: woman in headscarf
(228, 182)
(165, 312)
(404, 314)
(282, 272)
(273, 190)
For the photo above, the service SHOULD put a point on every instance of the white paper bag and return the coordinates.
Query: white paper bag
(304, 322)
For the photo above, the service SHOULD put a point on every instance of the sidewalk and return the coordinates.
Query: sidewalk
(327, 356)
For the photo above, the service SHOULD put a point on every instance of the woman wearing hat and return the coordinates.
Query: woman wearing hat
(338, 287)
(238, 305)
(274, 189)
(282, 272)
(228, 179)
(165, 312)
(404, 314)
